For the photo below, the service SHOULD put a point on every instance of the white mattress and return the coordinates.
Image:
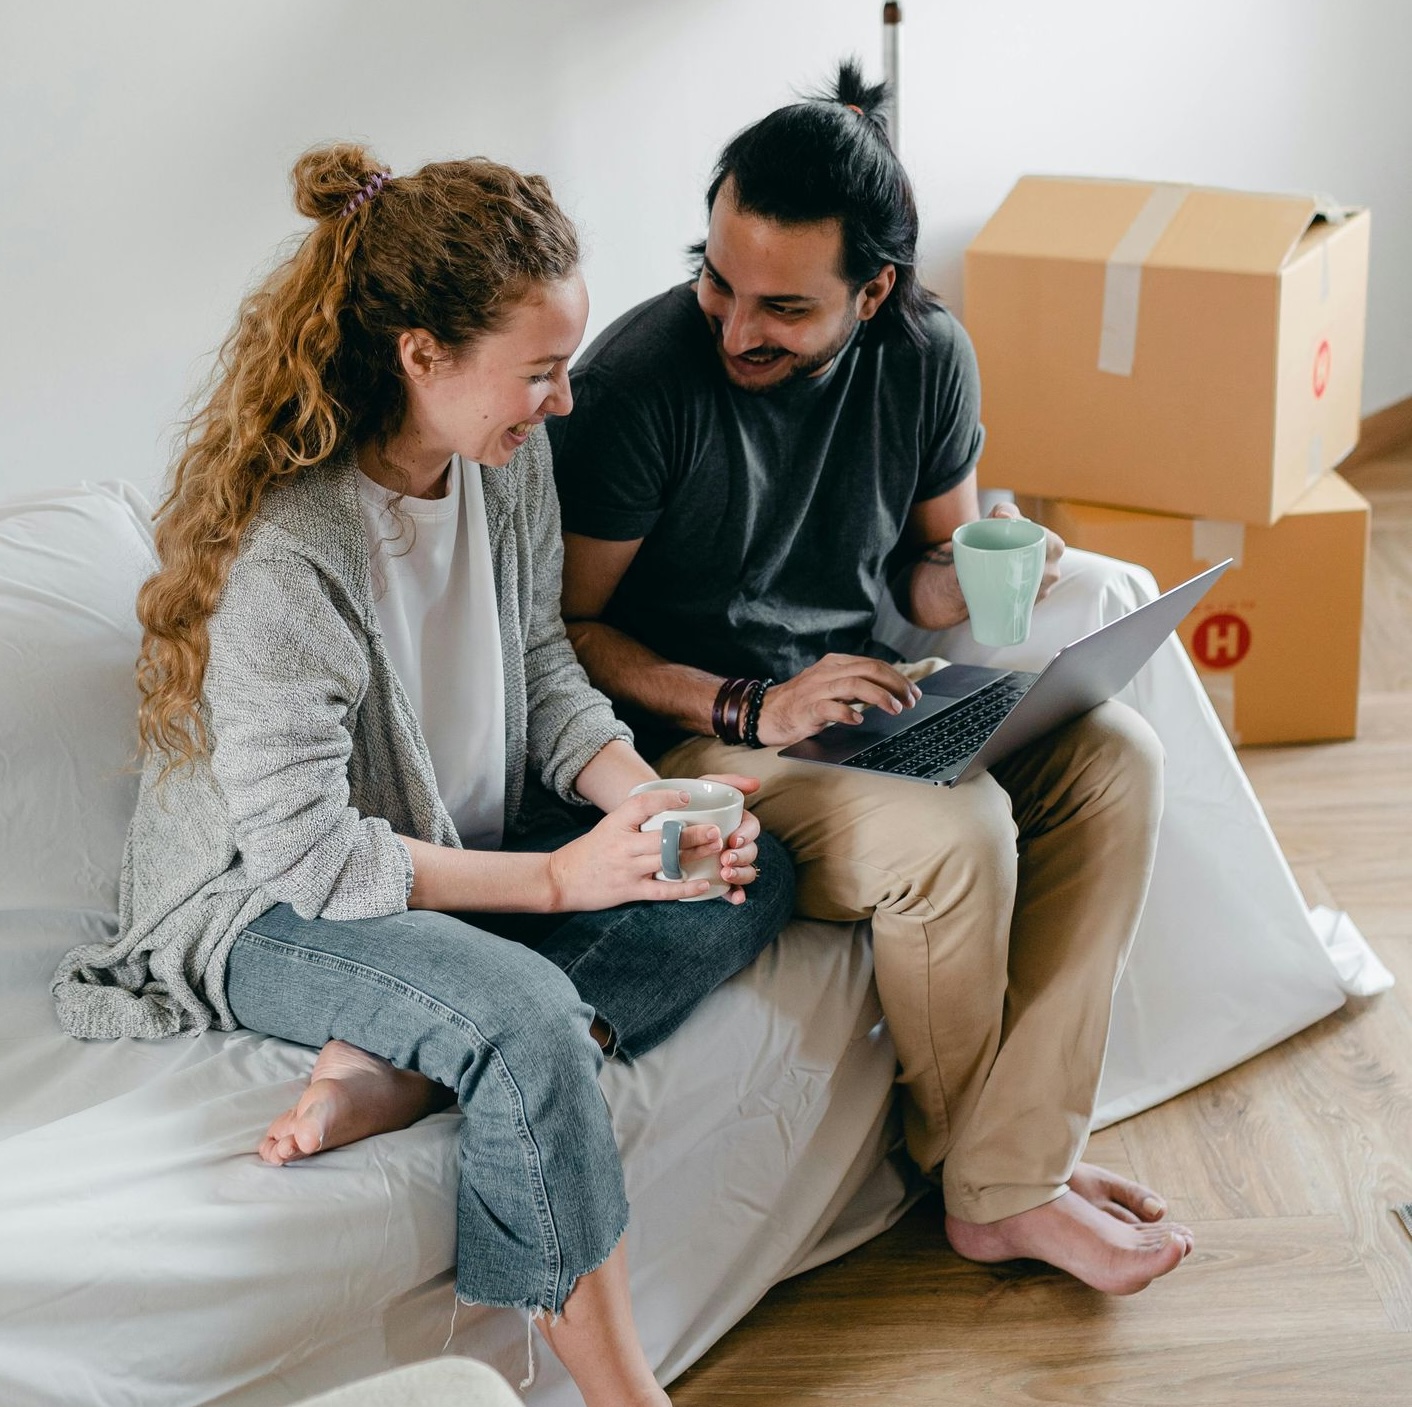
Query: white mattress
(147, 1257)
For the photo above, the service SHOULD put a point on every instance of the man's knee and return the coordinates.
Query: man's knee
(905, 847)
(1125, 734)
(1122, 747)
(979, 856)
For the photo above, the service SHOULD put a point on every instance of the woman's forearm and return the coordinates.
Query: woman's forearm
(483, 881)
(612, 772)
(506, 882)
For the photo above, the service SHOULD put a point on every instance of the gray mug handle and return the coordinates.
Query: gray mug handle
(671, 849)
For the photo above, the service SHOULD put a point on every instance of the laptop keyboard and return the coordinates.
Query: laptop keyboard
(946, 738)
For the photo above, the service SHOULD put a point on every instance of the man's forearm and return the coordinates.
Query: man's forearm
(631, 673)
(931, 597)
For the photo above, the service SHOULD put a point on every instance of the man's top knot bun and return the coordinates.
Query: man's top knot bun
(853, 90)
(326, 179)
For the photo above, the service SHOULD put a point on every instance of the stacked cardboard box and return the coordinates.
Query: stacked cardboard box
(1194, 358)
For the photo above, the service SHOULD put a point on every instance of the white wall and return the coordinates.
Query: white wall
(144, 177)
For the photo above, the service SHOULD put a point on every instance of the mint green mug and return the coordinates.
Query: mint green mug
(999, 565)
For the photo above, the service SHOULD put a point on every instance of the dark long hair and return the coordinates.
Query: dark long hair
(820, 160)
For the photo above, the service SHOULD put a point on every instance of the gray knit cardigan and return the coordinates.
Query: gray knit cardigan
(317, 759)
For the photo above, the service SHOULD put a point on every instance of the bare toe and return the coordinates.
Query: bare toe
(1119, 1211)
(351, 1095)
(277, 1146)
(1118, 1196)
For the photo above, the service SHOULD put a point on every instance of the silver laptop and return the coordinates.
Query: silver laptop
(970, 717)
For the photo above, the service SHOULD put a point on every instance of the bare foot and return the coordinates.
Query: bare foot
(1071, 1233)
(1128, 1201)
(351, 1095)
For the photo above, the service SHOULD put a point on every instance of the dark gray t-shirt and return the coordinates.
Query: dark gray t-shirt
(769, 520)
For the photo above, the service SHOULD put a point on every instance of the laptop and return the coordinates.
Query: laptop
(970, 716)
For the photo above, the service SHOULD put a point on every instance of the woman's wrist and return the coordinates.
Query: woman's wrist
(485, 881)
(543, 889)
(611, 774)
(556, 887)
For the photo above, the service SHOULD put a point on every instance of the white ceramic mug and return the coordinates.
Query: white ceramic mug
(712, 804)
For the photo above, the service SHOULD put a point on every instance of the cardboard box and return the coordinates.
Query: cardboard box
(1276, 640)
(1170, 348)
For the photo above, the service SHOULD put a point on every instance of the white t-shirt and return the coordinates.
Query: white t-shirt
(434, 588)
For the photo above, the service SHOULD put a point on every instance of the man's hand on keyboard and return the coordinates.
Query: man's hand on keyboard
(831, 691)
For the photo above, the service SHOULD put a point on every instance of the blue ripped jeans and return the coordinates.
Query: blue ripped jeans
(541, 1197)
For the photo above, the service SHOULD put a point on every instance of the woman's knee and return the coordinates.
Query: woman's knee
(508, 994)
(739, 933)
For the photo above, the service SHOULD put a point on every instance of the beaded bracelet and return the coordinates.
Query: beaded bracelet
(747, 708)
(752, 712)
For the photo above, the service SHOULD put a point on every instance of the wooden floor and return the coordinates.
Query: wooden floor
(1299, 1293)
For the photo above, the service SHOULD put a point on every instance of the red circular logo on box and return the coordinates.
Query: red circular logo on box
(1322, 357)
(1221, 641)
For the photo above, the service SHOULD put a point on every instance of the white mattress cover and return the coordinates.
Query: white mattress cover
(147, 1257)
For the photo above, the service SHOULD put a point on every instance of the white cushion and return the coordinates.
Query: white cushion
(70, 564)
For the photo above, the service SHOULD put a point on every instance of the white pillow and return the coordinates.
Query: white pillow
(71, 561)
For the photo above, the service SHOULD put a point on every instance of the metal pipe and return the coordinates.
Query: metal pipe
(892, 71)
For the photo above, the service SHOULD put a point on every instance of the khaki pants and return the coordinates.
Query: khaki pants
(1002, 911)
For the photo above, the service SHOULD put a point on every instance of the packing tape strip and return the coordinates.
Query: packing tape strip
(1314, 464)
(1213, 541)
(1122, 278)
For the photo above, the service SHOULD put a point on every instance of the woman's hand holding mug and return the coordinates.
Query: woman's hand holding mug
(620, 861)
(716, 804)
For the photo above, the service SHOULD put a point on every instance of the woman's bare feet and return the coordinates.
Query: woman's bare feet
(1100, 1231)
(351, 1095)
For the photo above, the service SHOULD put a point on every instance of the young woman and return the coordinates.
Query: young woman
(357, 697)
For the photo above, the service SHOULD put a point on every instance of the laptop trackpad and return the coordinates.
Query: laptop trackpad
(958, 681)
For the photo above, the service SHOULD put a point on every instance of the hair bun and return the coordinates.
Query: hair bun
(325, 179)
(853, 90)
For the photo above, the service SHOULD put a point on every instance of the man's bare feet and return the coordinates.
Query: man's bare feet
(1128, 1201)
(1098, 1231)
(351, 1095)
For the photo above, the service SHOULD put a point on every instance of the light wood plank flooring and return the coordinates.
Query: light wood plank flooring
(1300, 1290)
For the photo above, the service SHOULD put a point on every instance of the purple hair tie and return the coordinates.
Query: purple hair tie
(368, 191)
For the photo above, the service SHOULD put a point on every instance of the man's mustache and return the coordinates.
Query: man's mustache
(761, 352)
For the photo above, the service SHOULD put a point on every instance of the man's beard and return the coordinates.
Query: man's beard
(799, 371)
